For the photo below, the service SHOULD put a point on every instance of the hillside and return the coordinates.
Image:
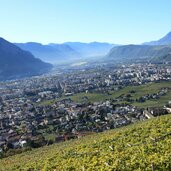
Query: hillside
(141, 146)
(53, 53)
(162, 59)
(166, 40)
(138, 52)
(16, 63)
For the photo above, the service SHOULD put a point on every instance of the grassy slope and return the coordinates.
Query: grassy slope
(140, 91)
(128, 148)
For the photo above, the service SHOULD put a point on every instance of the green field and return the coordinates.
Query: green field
(142, 90)
(141, 146)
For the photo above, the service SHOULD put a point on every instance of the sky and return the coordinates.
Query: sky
(57, 21)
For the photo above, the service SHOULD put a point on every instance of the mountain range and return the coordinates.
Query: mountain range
(156, 51)
(53, 53)
(69, 51)
(17, 63)
(91, 49)
(21, 59)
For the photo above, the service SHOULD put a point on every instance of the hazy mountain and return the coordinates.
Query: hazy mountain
(91, 49)
(53, 53)
(138, 52)
(16, 63)
(166, 40)
(69, 51)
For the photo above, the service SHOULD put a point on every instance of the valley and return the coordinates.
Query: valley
(85, 85)
(75, 101)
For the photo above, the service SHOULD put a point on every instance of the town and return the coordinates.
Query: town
(72, 103)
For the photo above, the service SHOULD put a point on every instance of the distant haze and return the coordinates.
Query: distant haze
(70, 51)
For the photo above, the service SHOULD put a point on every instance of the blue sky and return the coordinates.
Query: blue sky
(116, 21)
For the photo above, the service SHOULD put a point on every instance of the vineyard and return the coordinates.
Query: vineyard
(141, 146)
(150, 88)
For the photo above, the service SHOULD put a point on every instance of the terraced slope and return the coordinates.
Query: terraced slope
(141, 146)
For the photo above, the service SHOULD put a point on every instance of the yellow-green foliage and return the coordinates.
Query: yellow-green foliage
(141, 146)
